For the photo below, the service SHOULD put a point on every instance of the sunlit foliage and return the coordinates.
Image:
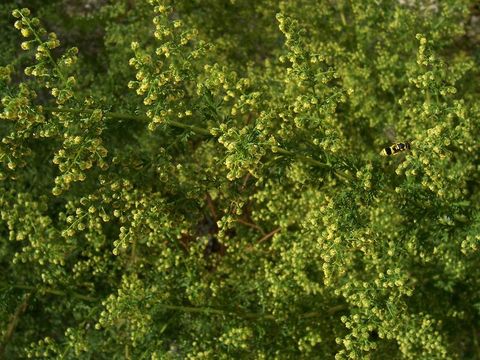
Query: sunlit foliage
(203, 179)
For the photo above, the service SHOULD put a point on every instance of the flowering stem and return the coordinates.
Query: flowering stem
(195, 129)
(40, 42)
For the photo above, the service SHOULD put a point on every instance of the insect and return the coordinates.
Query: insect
(395, 148)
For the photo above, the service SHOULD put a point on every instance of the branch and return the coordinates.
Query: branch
(254, 226)
(211, 207)
(13, 323)
(269, 235)
(332, 311)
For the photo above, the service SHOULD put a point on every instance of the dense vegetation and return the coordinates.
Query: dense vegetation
(202, 179)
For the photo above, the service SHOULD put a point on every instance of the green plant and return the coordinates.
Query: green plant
(233, 202)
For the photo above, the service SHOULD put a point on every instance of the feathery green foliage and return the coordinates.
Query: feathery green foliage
(202, 180)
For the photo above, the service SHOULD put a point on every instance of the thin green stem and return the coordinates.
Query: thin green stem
(313, 162)
(121, 116)
(342, 17)
(194, 309)
(306, 159)
(50, 291)
(252, 316)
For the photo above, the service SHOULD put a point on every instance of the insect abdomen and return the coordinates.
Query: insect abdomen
(387, 151)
